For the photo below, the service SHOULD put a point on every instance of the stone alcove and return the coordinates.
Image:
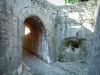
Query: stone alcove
(72, 49)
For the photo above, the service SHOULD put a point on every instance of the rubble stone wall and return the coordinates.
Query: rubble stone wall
(76, 20)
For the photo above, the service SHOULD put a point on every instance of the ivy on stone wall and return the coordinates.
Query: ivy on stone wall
(59, 20)
(71, 1)
(74, 1)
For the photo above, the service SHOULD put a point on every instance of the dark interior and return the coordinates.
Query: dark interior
(31, 41)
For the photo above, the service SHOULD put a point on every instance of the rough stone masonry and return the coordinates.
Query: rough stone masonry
(12, 15)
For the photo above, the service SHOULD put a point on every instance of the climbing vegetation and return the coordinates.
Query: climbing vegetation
(74, 1)
(59, 20)
(71, 1)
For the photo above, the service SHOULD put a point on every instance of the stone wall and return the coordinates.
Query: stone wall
(76, 20)
(94, 58)
(13, 14)
(10, 42)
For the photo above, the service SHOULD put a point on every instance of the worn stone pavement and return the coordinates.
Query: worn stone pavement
(34, 66)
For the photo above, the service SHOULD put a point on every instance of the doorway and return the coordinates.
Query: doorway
(35, 39)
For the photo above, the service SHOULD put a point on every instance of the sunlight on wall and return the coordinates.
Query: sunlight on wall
(88, 26)
(57, 2)
(67, 50)
(48, 59)
(74, 15)
(27, 30)
(77, 26)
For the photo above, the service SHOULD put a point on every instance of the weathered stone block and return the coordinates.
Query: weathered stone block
(14, 41)
(3, 66)
(15, 30)
(20, 31)
(14, 63)
(4, 41)
(3, 51)
(3, 6)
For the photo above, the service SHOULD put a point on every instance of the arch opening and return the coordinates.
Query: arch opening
(34, 39)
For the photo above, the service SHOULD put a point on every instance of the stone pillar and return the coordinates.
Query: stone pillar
(4, 40)
(10, 59)
(94, 61)
(45, 50)
(52, 51)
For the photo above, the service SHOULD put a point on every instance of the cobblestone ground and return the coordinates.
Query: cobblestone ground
(35, 66)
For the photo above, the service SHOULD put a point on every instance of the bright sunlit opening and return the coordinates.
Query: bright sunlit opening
(57, 2)
(27, 30)
(88, 26)
(67, 50)
(48, 59)
(78, 26)
(74, 16)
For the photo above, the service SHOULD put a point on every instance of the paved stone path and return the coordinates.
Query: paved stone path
(35, 66)
(73, 68)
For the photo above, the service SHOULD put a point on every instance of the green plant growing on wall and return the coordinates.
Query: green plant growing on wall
(61, 57)
(70, 41)
(59, 20)
(72, 1)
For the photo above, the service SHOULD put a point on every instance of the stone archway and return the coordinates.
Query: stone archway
(35, 39)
